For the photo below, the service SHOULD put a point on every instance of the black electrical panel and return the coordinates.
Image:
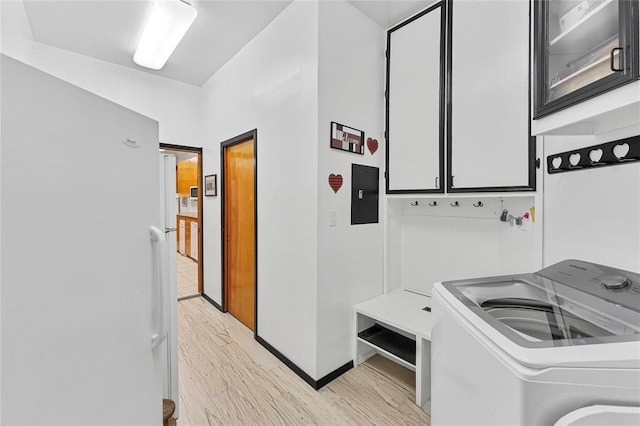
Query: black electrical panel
(364, 194)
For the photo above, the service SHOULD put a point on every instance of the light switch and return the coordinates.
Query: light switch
(333, 217)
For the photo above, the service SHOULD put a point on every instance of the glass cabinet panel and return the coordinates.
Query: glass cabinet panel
(584, 48)
(582, 35)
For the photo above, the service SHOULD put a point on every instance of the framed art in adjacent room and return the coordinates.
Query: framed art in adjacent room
(211, 185)
(347, 138)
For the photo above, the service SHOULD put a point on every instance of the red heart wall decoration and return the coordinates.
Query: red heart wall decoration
(335, 182)
(372, 144)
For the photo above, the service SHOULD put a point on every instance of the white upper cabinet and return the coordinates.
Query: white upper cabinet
(464, 103)
(415, 104)
(489, 143)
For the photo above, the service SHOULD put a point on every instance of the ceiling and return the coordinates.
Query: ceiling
(387, 13)
(110, 29)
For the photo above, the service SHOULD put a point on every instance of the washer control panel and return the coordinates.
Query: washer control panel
(615, 285)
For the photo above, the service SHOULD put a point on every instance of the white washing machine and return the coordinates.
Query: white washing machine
(529, 349)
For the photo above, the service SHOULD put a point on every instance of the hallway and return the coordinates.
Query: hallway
(226, 377)
(187, 272)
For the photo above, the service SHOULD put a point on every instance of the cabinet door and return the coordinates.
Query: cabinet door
(415, 104)
(182, 236)
(187, 238)
(585, 48)
(194, 240)
(489, 143)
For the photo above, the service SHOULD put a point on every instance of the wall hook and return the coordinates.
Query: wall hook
(414, 204)
(602, 155)
(435, 203)
(478, 204)
(456, 204)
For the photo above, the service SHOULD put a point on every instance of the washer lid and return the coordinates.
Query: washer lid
(566, 304)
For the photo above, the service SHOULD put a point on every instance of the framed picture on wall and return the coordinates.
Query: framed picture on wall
(347, 138)
(211, 185)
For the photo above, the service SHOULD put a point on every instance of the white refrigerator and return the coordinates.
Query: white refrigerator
(83, 260)
(168, 218)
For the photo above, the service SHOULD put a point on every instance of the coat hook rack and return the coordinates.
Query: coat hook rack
(478, 204)
(622, 151)
(435, 203)
(414, 204)
(456, 204)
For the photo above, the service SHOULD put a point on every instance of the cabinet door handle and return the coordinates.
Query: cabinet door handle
(437, 178)
(620, 59)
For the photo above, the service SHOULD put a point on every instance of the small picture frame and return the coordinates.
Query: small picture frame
(211, 185)
(346, 138)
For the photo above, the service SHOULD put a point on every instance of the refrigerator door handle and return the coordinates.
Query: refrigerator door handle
(167, 230)
(159, 283)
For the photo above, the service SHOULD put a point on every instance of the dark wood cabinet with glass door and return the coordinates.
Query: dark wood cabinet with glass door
(582, 49)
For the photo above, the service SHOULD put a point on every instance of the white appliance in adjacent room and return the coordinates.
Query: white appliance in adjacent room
(194, 240)
(182, 246)
(193, 200)
(168, 217)
(83, 273)
(531, 348)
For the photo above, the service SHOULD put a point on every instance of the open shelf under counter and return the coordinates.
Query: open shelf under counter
(393, 345)
(397, 326)
(587, 31)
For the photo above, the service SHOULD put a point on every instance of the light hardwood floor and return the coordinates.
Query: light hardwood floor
(228, 378)
(187, 271)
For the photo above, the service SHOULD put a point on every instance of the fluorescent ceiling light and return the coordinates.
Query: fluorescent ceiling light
(167, 24)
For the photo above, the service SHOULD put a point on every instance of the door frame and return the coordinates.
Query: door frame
(250, 135)
(198, 151)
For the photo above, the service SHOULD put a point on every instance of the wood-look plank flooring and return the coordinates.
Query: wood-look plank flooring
(187, 276)
(227, 378)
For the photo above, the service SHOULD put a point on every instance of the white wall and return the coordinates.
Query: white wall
(173, 104)
(592, 214)
(350, 92)
(430, 244)
(271, 85)
(312, 65)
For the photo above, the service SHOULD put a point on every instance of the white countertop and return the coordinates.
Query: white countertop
(401, 308)
(191, 215)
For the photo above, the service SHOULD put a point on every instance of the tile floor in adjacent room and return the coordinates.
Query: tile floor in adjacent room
(227, 378)
(187, 270)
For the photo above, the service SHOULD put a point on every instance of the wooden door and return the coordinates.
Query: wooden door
(239, 216)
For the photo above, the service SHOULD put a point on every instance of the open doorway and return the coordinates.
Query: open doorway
(188, 221)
